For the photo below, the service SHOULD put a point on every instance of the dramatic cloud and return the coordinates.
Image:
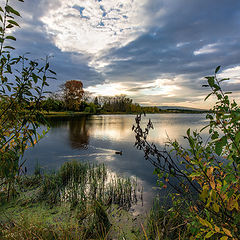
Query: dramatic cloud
(94, 26)
(157, 52)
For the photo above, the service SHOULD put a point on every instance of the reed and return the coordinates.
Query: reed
(83, 192)
(84, 183)
(167, 222)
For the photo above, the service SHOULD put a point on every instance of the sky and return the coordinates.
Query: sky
(156, 52)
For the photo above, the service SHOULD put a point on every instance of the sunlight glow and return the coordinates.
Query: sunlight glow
(160, 87)
(107, 89)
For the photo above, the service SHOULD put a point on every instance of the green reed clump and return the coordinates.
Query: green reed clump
(50, 189)
(78, 192)
(122, 192)
(167, 222)
(84, 183)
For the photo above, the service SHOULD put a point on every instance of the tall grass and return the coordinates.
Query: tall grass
(167, 223)
(81, 183)
(87, 189)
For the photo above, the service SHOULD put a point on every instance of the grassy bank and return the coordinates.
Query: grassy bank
(65, 114)
(85, 201)
(80, 201)
(68, 114)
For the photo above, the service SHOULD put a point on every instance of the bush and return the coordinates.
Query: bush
(207, 172)
(22, 88)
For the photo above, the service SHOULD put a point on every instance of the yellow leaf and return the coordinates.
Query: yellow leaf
(217, 229)
(209, 234)
(210, 172)
(205, 222)
(204, 194)
(212, 183)
(232, 203)
(227, 232)
(224, 238)
(215, 207)
(208, 202)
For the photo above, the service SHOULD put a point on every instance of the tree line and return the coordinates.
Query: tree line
(72, 97)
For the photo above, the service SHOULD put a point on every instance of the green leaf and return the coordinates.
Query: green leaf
(9, 9)
(35, 77)
(237, 137)
(216, 87)
(13, 23)
(9, 88)
(224, 79)
(191, 142)
(207, 96)
(47, 66)
(210, 81)
(220, 144)
(217, 69)
(11, 37)
(9, 68)
(10, 47)
(52, 72)
(215, 135)
(215, 207)
(9, 26)
(204, 127)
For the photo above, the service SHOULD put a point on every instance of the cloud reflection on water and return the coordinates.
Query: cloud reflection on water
(96, 138)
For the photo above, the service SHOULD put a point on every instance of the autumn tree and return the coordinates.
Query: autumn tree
(73, 93)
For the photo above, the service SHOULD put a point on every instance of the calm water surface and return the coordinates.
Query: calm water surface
(96, 138)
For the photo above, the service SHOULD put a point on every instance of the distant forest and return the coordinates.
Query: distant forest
(72, 97)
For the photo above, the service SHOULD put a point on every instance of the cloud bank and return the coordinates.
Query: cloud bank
(157, 52)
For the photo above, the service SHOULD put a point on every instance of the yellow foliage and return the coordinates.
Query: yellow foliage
(224, 238)
(227, 232)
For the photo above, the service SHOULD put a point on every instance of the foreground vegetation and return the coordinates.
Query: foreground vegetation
(206, 174)
(80, 201)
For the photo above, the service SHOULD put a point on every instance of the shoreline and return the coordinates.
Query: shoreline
(77, 114)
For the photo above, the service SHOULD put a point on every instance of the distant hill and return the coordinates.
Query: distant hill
(182, 108)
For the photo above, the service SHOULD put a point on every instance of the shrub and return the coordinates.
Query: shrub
(22, 88)
(207, 172)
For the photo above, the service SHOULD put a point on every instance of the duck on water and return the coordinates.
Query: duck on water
(118, 152)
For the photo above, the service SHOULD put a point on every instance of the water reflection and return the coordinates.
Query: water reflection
(97, 138)
(78, 134)
(77, 130)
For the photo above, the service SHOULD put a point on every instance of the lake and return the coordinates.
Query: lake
(97, 138)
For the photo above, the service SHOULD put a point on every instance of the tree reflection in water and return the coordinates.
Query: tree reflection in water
(78, 133)
(77, 129)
